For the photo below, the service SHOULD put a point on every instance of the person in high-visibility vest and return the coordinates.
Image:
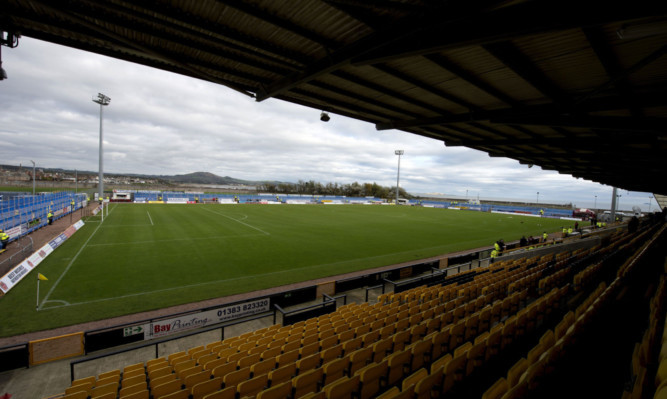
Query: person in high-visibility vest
(569, 231)
(494, 255)
(564, 232)
(545, 236)
(4, 239)
(49, 217)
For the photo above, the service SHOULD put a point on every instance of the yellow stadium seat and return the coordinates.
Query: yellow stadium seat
(282, 374)
(76, 395)
(154, 364)
(263, 367)
(193, 379)
(413, 378)
(85, 380)
(476, 357)
(236, 377)
(144, 394)
(252, 386)
(331, 353)
(112, 379)
(371, 379)
(351, 345)
(421, 353)
(101, 390)
(440, 363)
(227, 393)
(287, 357)
(400, 339)
(182, 394)
(399, 366)
(223, 369)
(307, 382)
(162, 380)
(497, 390)
(314, 395)
(175, 356)
(454, 371)
(381, 348)
(166, 388)
(133, 388)
(359, 359)
(183, 374)
(427, 387)
(308, 363)
(335, 369)
(202, 389)
(112, 373)
(514, 373)
(248, 361)
(342, 388)
(279, 391)
(395, 393)
(202, 360)
(86, 387)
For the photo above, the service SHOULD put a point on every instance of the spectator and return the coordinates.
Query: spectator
(523, 241)
(4, 239)
(49, 217)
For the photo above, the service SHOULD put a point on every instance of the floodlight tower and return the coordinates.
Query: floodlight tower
(102, 100)
(398, 175)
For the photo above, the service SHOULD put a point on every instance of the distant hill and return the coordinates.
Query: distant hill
(205, 178)
(189, 178)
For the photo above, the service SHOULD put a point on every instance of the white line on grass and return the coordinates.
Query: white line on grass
(175, 239)
(150, 218)
(48, 294)
(238, 221)
(326, 265)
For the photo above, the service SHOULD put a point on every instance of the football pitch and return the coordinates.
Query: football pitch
(144, 257)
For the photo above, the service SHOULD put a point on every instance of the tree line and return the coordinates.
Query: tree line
(350, 190)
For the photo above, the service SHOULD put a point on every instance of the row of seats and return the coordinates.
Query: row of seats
(245, 365)
(649, 358)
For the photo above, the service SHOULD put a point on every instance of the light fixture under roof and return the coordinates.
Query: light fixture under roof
(324, 117)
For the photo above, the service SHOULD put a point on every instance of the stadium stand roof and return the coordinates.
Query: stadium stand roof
(573, 86)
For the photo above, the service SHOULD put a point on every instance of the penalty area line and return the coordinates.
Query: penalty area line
(238, 221)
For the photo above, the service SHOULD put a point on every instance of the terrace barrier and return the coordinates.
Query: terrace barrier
(304, 313)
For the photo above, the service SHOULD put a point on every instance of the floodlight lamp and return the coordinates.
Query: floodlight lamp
(102, 99)
(324, 117)
(3, 73)
(398, 152)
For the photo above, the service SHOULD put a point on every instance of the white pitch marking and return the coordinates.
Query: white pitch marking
(238, 221)
(150, 218)
(175, 239)
(69, 265)
(326, 265)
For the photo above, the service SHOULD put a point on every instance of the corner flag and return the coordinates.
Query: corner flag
(42, 277)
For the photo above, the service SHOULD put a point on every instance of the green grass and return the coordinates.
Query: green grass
(145, 257)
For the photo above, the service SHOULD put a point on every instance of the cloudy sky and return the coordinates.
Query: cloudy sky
(162, 123)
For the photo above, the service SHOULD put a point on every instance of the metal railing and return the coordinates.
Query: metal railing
(18, 257)
(161, 341)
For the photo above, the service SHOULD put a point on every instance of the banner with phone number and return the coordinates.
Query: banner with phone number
(179, 324)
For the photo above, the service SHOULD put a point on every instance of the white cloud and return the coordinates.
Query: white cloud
(162, 123)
